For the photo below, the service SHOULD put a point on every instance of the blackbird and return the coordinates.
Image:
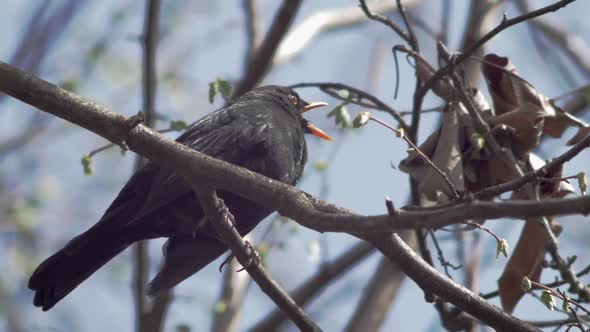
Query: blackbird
(262, 131)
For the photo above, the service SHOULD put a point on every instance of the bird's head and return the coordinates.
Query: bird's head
(290, 101)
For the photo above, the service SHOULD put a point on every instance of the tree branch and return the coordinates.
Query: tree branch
(222, 221)
(252, 31)
(309, 289)
(262, 61)
(150, 315)
(379, 293)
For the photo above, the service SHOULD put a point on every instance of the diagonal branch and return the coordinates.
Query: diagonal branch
(220, 218)
(311, 288)
(262, 61)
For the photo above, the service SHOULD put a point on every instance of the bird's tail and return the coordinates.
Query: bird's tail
(61, 273)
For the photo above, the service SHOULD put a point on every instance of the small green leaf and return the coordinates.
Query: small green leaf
(87, 164)
(526, 284)
(565, 304)
(344, 94)
(178, 125)
(341, 116)
(220, 307)
(582, 182)
(213, 86)
(320, 165)
(548, 300)
(477, 141)
(221, 86)
(224, 87)
(502, 247)
(263, 249)
(361, 119)
(70, 84)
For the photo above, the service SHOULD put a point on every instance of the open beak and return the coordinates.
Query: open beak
(311, 128)
(315, 131)
(313, 105)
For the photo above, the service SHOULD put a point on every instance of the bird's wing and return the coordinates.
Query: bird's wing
(227, 134)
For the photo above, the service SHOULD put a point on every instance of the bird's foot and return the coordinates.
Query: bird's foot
(254, 259)
(131, 123)
(226, 213)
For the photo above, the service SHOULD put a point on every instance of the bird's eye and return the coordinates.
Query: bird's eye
(293, 98)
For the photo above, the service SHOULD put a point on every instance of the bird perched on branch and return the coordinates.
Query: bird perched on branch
(262, 131)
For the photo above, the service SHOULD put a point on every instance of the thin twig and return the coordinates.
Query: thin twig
(357, 97)
(384, 20)
(440, 255)
(414, 148)
(506, 23)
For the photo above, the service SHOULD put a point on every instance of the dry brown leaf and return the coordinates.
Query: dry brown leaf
(525, 261)
(496, 71)
(556, 125)
(551, 189)
(526, 123)
(517, 104)
(441, 87)
(530, 250)
(510, 92)
(444, 149)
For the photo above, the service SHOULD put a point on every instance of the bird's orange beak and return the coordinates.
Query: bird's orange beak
(313, 129)
(318, 132)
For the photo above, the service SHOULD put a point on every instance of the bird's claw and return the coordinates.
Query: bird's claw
(226, 214)
(254, 259)
(225, 261)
